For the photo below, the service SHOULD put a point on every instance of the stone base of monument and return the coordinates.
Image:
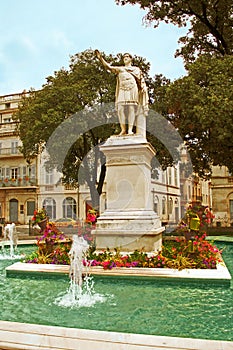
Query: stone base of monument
(129, 231)
(128, 221)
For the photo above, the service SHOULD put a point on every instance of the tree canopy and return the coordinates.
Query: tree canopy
(200, 106)
(210, 23)
(69, 104)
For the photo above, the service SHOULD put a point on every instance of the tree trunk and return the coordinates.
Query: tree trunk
(101, 179)
(95, 198)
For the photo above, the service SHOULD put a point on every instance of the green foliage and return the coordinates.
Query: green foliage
(199, 253)
(200, 106)
(210, 23)
(39, 215)
(181, 262)
(52, 248)
(70, 104)
(179, 254)
(110, 259)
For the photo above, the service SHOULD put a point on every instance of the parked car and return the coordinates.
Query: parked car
(66, 222)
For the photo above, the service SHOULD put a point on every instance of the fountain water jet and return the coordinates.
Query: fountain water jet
(81, 289)
(10, 239)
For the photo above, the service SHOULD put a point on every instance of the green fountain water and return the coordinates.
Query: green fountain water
(132, 306)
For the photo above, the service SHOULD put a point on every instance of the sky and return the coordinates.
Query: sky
(38, 37)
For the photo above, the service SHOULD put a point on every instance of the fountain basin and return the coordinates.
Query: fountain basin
(220, 275)
(161, 312)
(22, 336)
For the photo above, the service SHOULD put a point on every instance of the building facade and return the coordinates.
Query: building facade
(18, 179)
(222, 194)
(25, 187)
(167, 196)
(60, 201)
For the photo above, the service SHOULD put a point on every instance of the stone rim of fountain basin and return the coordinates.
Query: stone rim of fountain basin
(25, 336)
(14, 335)
(219, 275)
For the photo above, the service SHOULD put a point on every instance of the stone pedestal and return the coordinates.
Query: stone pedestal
(128, 221)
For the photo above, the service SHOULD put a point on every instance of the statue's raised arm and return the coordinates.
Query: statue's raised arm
(102, 60)
(131, 95)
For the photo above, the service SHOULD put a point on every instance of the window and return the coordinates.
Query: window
(189, 192)
(33, 171)
(7, 105)
(21, 208)
(31, 206)
(7, 173)
(24, 171)
(175, 177)
(6, 120)
(49, 177)
(164, 206)
(14, 147)
(169, 176)
(231, 210)
(69, 208)
(170, 205)
(156, 204)
(177, 218)
(163, 177)
(2, 173)
(14, 173)
(50, 206)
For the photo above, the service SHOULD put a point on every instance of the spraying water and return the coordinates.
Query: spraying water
(81, 290)
(77, 255)
(10, 239)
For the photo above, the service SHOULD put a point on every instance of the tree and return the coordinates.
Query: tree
(200, 106)
(210, 23)
(73, 112)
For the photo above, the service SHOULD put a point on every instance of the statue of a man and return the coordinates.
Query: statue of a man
(131, 95)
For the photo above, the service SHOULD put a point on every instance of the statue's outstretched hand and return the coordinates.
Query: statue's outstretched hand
(98, 55)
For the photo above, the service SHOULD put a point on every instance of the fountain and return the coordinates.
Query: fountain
(81, 289)
(141, 312)
(10, 238)
(139, 305)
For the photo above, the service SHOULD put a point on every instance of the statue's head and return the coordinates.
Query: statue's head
(127, 58)
(126, 54)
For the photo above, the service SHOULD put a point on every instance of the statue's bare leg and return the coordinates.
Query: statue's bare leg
(131, 119)
(121, 116)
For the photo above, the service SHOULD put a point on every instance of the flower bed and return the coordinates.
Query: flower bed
(38, 216)
(179, 254)
(54, 246)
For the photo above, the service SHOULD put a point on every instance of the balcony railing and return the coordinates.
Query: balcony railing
(25, 182)
(9, 152)
(9, 98)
